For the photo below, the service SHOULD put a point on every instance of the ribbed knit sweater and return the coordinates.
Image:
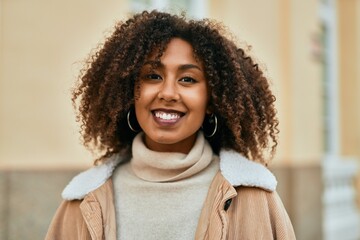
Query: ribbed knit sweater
(160, 195)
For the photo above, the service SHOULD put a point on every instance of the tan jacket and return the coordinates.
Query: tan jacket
(241, 204)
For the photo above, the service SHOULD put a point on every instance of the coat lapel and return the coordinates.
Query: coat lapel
(98, 211)
(91, 211)
(213, 222)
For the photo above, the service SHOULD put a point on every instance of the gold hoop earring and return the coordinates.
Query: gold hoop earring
(129, 123)
(208, 122)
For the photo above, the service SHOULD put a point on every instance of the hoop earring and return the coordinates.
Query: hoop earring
(129, 124)
(212, 120)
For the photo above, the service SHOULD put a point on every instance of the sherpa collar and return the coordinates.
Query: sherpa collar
(237, 170)
(240, 171)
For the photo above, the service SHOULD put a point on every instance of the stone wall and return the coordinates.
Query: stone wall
(28, 200)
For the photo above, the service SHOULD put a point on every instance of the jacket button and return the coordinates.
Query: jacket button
(227, 204)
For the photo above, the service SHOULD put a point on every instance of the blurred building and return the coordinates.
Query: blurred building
(311, 53)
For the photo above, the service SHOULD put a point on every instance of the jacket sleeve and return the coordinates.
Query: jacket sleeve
(68, 223)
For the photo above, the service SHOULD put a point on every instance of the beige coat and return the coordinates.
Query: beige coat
(241, 204)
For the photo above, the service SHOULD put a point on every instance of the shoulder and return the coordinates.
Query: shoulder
(256, 196)
(67, 222)
(260, 212)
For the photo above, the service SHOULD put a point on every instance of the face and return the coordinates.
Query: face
(173, 99)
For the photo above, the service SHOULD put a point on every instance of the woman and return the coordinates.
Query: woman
(182, 119)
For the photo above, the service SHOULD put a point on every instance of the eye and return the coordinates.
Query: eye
(153, 76)
(187, 80)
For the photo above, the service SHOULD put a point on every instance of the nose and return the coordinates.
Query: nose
(168, 91)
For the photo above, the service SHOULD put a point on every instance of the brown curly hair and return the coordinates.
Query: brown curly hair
(239, 92)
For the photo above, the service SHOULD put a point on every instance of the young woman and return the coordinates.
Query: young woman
(183, 119)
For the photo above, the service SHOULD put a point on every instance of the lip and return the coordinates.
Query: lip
(170, 116)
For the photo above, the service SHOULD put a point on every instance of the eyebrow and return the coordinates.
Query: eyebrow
(189, 66)
(181, 67)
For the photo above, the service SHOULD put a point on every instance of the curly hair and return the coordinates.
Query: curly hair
(239, 92)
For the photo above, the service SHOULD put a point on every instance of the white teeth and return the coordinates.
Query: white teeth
(167, 116)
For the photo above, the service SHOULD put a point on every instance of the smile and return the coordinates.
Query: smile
(167, 117)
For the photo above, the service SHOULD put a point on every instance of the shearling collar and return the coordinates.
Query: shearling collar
(237, 170)
(240, 171)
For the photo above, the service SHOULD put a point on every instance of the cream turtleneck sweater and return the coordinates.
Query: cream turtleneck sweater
(159, 195)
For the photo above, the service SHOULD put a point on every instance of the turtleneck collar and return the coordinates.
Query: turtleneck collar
(169, 166)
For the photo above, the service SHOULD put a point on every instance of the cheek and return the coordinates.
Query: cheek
(146, 93)
(200, 104)
(199, 100)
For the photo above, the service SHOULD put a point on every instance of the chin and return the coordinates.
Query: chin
(167, 140)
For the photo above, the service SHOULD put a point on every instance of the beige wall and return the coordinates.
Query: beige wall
(42, 43)
(282, 38)
(349, 48)
(307, 124)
